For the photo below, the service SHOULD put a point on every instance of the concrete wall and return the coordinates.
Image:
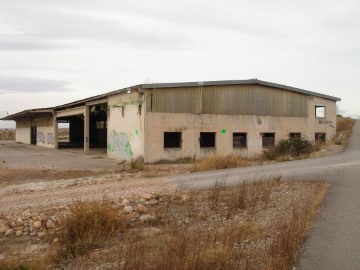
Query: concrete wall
(125, 139)
(45, 132)
(23, 131)
(322, 125)
(192, 124)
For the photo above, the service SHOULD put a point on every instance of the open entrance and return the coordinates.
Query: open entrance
(71, 129)
(33, 132)
(98, 126)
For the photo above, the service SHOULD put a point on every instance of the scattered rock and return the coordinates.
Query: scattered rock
(125, 202)
(10, 232)
(20, 220)
(19, 233)
(56, 240)
(50, 224)
(33, 234)
(147, 218)
(152, 202)
(142, 208)
(41, 234)
(147, 196)
(3, 228)
(185, 197)
(37, 224)
(128, 209)
(43, 217)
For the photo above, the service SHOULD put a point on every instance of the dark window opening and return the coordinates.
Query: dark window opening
(294, 135)
(172, 139)
(268, 139)
(320, 111)
(207, 139)
(239, 140)
(320, 137)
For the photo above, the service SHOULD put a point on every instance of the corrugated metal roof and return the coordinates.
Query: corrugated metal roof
(179, 85)
(30, 113)
(193, 84)
(238, 82)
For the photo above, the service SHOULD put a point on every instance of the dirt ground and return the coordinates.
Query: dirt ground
(44, 181)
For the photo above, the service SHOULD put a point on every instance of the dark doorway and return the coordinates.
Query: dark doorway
(33, 135)
(98, 126)
(71, 132)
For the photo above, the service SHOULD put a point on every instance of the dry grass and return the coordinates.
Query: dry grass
(137, 164)
(89, 226)
(344, 126)
(254, 225)
(257, 225)
(217, 162)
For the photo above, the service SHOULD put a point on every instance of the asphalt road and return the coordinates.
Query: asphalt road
(334, 241)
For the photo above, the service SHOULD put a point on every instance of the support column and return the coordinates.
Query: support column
(56, 133)
(86, 129)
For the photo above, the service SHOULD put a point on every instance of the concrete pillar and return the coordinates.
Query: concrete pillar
(56, 134)
(86, 129)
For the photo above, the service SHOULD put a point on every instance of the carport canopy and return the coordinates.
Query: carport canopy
(33, 114)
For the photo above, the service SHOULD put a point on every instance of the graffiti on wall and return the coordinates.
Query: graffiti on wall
(50, 138)
(40, 137)
(43, 138)
(119, 145)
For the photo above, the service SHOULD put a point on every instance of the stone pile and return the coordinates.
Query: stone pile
(28, 224)
(32, 223)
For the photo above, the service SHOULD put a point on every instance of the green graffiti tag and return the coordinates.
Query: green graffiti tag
(119, 145)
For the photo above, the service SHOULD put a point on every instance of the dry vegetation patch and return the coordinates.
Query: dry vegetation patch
(7, 134)
(217, 162)
(255, 225)
(344, 126)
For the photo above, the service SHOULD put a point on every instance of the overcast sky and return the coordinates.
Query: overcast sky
(54, 52)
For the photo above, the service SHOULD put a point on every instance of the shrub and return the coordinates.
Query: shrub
(294, 147)
(137, 164)
(344, 124)
(88, 226)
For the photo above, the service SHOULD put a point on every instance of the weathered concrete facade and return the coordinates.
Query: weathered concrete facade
(125, 126)
(181, 120)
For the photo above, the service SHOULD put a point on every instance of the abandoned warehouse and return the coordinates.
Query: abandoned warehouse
(168, 121)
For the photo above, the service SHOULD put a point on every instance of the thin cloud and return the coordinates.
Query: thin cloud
(31, 85)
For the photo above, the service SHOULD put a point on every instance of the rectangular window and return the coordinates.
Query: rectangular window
(207, 139)
(239, 140)
(320, 137)
(268, 139)
(294, 135)
(320, 111)
(172, 139)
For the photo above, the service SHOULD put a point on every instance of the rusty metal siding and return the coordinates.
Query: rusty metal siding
(229, 100)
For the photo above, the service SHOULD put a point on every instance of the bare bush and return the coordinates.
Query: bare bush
(89, 225)
(217, 162)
